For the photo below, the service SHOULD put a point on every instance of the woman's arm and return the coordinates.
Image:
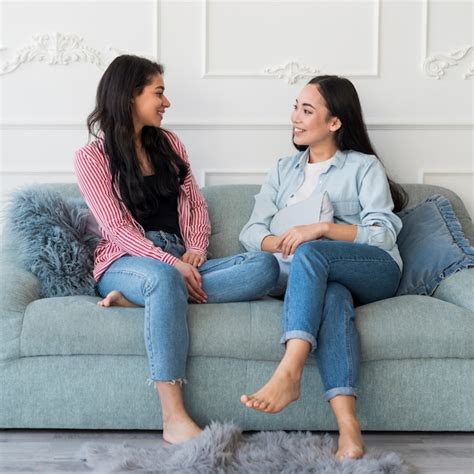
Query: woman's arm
(256, 234)
(94, 180)
(271, 243)
(379, 225)
(294, 237)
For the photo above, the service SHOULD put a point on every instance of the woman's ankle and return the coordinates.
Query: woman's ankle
(294, 360)
(349, 423)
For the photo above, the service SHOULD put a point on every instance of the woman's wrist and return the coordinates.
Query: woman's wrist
(321, 229)
(345, 232)
(269, 243)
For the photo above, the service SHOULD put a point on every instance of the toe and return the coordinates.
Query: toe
(354, 453)
(264, 406)
(255, 403)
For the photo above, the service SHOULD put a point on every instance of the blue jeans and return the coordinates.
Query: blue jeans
(161, 289)
(325, 279)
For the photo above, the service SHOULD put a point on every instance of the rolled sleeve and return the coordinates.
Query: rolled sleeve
(379, 225)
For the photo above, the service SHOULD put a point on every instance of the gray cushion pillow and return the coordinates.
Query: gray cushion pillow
(432, 246)
(55, 241)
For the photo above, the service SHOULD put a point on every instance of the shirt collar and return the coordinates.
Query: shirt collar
(338, 161)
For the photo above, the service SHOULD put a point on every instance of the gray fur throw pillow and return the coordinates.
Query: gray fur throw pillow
(55, 242)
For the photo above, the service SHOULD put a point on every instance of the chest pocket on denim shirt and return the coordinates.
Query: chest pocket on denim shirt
(346, 208)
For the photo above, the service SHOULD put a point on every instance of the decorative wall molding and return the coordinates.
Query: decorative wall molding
(157, 29)
(38, 172)
(54, 49)
(464, 188)
(216, 124)
(436, 65)
(291, 71)
(469, 72)
(423, 174)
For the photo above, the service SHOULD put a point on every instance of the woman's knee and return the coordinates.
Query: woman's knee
(267, 261)
(164, 276)
(270, 262)
(309, 251)
(273, 268)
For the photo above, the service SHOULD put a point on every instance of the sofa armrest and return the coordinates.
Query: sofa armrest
(18, 288)
(458, 289)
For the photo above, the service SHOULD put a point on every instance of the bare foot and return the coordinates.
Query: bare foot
(282, 389)
(115, 298)
(180, 430)
(351, 445)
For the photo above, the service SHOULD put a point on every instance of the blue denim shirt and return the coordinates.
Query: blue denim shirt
(358, 189)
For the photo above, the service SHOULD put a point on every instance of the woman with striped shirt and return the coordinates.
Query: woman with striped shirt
(138, 184)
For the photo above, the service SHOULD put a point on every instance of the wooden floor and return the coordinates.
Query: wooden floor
(46, 451)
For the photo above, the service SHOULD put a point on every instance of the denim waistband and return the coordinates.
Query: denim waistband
(154, 235)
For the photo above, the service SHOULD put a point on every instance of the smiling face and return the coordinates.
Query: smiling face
(311, 119)
(149, 106)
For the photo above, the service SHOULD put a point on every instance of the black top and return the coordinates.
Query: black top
(163, 216)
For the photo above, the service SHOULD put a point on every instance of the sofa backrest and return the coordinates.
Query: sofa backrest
(230, 207)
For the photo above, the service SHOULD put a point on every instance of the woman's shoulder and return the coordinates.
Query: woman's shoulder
(360, 158)
(93, 150)
(92, 156)
(173, 138)
(362, 165)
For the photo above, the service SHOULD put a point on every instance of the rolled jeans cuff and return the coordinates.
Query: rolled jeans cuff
(334, 392)
(305, 336)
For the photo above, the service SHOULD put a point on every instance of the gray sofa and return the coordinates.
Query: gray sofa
(67, 363)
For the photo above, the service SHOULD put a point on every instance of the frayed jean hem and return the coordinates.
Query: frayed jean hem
(181, 382)
(334, 392)
(303, 335)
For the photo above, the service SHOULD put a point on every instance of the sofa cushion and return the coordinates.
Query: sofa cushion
(458, 289)
(397, 328)
(229, 208)
(432, 246)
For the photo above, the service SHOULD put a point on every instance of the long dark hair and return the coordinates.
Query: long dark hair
(124, 79)
(343, 102)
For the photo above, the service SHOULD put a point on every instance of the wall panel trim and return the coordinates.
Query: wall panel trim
(244, 125)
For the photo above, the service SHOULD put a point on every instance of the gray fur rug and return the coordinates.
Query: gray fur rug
(222, 448)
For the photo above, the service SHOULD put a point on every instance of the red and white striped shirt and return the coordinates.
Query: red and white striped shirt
(121, 233)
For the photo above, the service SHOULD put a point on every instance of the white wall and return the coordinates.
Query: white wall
(411, 61)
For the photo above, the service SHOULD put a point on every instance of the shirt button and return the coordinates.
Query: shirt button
(292, 196)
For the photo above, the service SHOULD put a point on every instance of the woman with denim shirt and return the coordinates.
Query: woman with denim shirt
(137, 181)
(354, 259)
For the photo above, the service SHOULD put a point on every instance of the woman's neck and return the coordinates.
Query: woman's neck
(320, 153)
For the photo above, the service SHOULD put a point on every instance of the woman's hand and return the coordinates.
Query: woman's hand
(292, 238)
(193, 281)
(193, 258)
(271, 243)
